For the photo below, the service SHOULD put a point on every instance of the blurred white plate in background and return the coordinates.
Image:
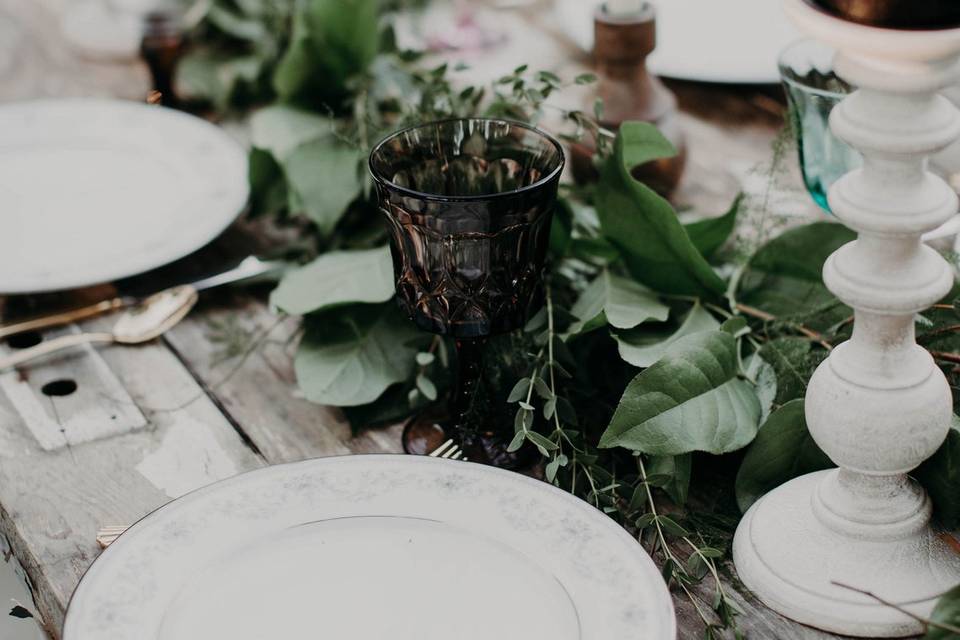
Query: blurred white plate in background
(374, 547)
(94, 190)
(734, 41)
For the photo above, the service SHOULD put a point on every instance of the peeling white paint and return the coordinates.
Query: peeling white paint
(188, 457)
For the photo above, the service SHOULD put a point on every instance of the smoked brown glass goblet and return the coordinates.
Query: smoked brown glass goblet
(468, 204)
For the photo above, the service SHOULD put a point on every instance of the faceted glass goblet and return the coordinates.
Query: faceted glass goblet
(468, 204)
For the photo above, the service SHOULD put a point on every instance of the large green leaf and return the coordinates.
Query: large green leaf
(350, 357)
(644, 227)
(215, 77)
(322, 173)
(690, 400)
(280, 129)
(711, 234)
(616, 300)
(782, 451)
(640, 142)
(784, 277)
(947, 613)
(391, 407)
(323, 177)
(295, 71)
(334, 279)
(236, 25)
(642, 347)
(268, 186)
(333, 41)
(940, 476)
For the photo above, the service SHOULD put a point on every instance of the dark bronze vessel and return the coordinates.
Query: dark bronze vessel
(630, 92)
(895, 14)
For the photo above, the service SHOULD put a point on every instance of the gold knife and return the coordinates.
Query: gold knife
(248, 269)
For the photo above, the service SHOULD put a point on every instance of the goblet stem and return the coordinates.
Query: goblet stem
(469, 363)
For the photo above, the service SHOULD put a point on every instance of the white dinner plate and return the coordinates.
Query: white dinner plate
(93, 190)
(369, 548)
(734, 41)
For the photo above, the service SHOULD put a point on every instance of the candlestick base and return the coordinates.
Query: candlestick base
(790, 557)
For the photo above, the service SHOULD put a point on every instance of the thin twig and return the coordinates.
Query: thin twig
(769, 317)
(930, 623)
(846, 321)
(946, 356)
(936, 332)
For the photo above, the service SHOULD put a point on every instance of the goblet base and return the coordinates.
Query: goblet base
(491, 448)
(426, 431)
(423, 433)
(794, 562)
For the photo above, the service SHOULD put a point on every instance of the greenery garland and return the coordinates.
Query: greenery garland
(660, 351)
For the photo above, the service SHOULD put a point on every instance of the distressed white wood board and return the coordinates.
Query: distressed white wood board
(95, 190)
(54, 501)
(260, 392)
(100, 407)
(368, 547)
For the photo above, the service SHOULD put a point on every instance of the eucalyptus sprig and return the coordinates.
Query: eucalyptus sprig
(700, 562)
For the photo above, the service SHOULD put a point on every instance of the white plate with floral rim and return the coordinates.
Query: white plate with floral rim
(373, 547)
(92, 190)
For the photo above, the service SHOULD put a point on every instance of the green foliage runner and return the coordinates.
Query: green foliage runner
(662, 347)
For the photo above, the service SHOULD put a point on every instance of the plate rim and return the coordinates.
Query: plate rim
(237, 204)
(644, 558)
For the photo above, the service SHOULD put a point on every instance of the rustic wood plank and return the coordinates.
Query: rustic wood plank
(53, 502)
(756, 621)
(258, 387)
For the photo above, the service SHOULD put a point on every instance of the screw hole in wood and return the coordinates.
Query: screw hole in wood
(25, 340)
(63, 387)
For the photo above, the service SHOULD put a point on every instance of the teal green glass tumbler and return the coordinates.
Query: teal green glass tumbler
(813, 90)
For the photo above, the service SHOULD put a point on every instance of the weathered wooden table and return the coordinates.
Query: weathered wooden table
(148, 424)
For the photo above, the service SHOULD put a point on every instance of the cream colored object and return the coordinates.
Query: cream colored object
(878, 406)
(108, 535)
(448, 450)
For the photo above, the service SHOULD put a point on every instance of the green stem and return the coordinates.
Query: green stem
(930, 623)
(656, 516)
(710, 565)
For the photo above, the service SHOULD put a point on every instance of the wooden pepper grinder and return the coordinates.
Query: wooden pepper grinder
(160, 48)
(630, 92)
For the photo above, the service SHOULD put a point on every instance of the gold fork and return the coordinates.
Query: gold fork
(106, 535)
(448, 450)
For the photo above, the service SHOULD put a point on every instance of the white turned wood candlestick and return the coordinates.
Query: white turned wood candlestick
(879, 405)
